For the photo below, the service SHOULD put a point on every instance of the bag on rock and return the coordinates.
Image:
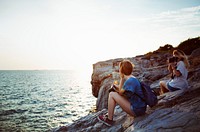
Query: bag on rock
(149, 95)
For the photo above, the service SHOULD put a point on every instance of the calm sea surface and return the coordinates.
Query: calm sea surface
(41, 100)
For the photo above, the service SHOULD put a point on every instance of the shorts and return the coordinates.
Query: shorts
(138, 111)
(171, 89)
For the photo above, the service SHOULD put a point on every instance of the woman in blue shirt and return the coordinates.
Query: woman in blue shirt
(124, 95)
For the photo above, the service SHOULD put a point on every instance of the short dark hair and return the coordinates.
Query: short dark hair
(127, 67)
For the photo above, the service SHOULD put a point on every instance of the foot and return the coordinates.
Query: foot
(105, 120)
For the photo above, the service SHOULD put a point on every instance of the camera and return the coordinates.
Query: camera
(173, 59)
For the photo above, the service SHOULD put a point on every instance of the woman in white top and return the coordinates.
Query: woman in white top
(177, 65)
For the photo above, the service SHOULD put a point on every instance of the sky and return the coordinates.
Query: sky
(74, 34)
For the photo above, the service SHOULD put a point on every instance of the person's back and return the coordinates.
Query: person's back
(132, 86)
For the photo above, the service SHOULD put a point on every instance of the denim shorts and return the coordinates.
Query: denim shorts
(138, 111)
(171, 89)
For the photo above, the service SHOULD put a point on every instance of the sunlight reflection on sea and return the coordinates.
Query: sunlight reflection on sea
(41, 100)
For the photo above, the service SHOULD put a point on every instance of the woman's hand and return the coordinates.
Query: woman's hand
(174, 69)
(121, 75)
(116, 87)
(171, 67)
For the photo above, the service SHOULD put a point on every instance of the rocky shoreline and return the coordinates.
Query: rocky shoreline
(175, 111)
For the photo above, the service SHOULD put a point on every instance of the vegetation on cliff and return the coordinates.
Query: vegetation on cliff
(187, 46)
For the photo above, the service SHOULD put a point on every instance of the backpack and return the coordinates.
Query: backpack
(150, 97)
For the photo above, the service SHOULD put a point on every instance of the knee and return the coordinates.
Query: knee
(162, 83)
(112, 94)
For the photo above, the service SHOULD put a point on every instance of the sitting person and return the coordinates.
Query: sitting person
(124, 95)
(177, 65)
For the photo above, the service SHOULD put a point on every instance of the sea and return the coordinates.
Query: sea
(39, 100)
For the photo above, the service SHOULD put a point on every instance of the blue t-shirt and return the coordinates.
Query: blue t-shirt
(131, 86)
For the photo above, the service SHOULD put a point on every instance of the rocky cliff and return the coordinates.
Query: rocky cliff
(175, 111)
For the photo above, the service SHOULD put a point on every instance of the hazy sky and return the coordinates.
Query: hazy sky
(70, 34)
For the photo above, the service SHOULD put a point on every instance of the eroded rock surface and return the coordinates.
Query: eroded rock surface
(175, 111)
(181, 112)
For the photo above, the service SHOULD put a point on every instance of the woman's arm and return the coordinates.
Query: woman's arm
(170, 68)
(176, 72)
(122, 80)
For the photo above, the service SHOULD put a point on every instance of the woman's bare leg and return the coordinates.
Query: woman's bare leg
(163, 87)
(115, 98)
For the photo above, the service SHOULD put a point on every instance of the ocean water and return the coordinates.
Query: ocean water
(41, 100)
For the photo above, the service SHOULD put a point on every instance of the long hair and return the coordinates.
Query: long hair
(181, 55)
